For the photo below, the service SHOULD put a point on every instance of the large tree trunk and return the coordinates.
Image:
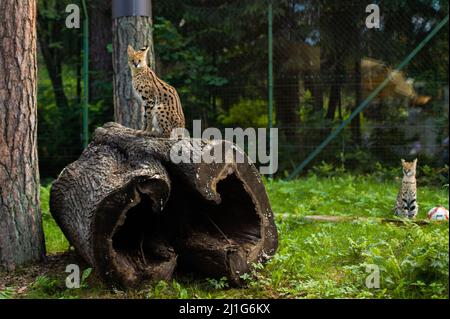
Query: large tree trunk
(100, 60)
(21, 235)
(135, 215)
(136, 31)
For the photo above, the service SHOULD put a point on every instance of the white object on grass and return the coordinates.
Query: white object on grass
(438, 213)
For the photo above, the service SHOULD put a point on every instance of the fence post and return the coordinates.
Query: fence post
(85, 75)
(270, 71)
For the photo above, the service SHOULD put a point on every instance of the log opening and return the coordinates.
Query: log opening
(216, 238)
(190, 235)
(141, 244)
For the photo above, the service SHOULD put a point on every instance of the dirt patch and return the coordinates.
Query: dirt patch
(53, 266)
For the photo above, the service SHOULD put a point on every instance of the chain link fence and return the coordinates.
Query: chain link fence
(328, 56)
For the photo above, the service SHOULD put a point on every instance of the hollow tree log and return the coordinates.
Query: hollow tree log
(135, 215)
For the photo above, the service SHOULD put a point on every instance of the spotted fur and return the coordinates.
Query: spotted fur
(163, 110)
(407, 196)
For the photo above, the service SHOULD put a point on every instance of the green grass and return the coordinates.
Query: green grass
(314, 259)
(55, 241)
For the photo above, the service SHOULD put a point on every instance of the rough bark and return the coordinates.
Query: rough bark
(135, 215)
(21, 235)
(136, 31)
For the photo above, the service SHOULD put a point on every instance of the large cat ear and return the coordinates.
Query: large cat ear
(145, 49)
(403, 161)
(415, 161)
(130, 50)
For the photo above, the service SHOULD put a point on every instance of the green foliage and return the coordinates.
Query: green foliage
(217, 60)
(159, 290)
(186, 66)
(59, 127)
(419, 271)
(162, 290)
(53, 285)
(84, 277)
(216, 57)
(180, 292)
(426, 175)
(358, 160)
(433, 176)
(55, 240)
(46, 285)
(218, 284)
(331, 259)
(322, 260)
(327, 170)
(306, 107)
(7, 293)
(246, 113)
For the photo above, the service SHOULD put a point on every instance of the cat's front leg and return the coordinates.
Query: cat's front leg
(145, 133)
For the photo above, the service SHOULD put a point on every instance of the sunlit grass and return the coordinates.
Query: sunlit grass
(315, 259)
(55, 241)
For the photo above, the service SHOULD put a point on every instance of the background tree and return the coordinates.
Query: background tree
(21, 235)
(51, 42)
(59, 93)
(100, 55)
(137, 32)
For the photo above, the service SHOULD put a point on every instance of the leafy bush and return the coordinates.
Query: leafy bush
(246, 113)
(218, 283)
(186, 66)
(433, 176)
(327, 170)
